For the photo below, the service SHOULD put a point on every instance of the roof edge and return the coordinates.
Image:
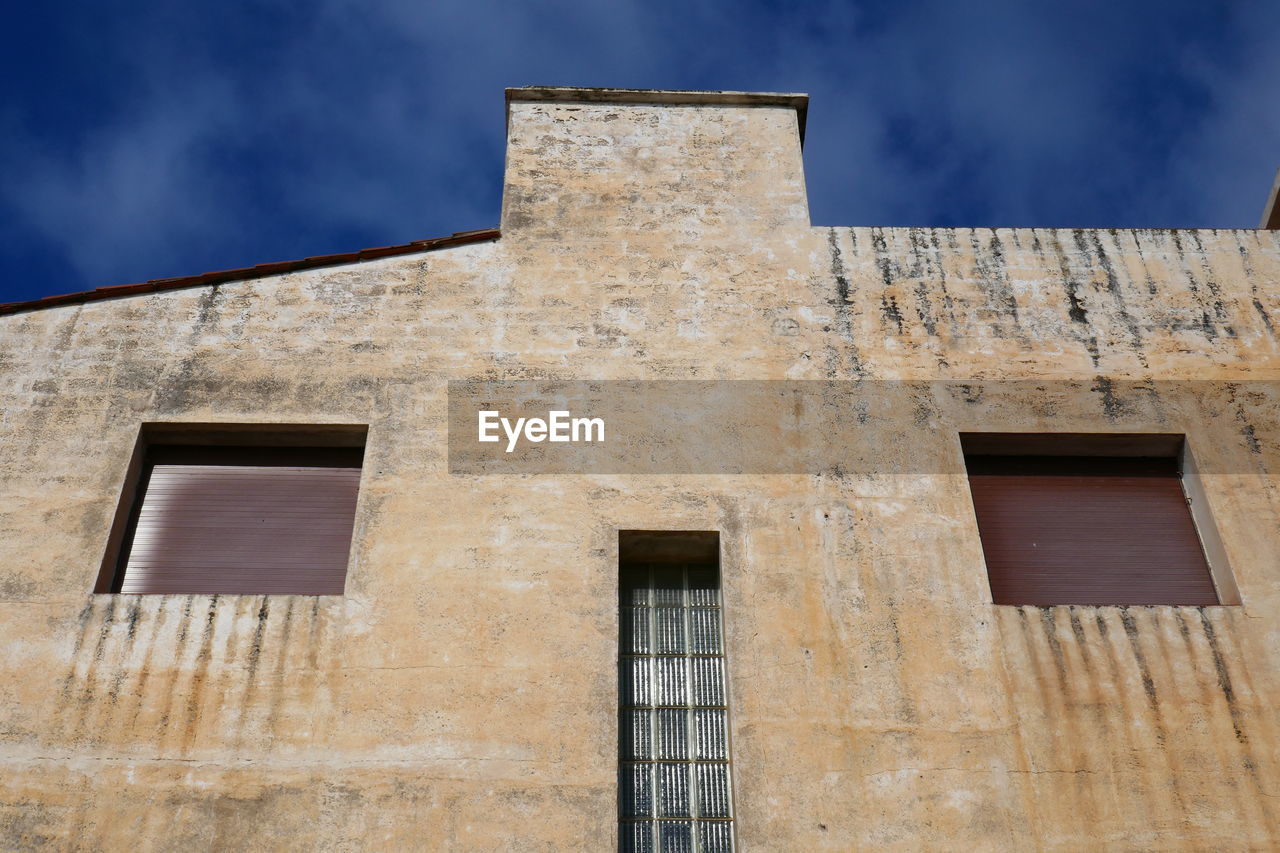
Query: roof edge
(711, 97)
(154, 285)
(1271, 213)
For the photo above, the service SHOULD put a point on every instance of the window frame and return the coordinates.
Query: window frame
(211, 437)
(688, 550)
(1134, 445)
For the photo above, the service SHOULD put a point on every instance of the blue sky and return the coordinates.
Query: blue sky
(148, 140)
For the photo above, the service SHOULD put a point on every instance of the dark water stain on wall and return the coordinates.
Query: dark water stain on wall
(1076, 307)
(1261, 727)
(1162, 764)
(1169, 771)
(1108, 651)
(1144, 672)
(1204, 324)
(843, 307)
(1113, 287)
(1113, 407)
(1262, 312)
(86, 701)
(1135, 240)
(313, 635)
(132, 683)
(168, 690)
(883, 260)
(1106, 712)
(279, 685)
(317, 650)
(1119, 717)
(1221, 315)
(1049, 748)
(992, 270)
(70, 679)
(33, 434)
(939, 272)
(1222, 757)
(253, 661)
(1248, 760)
(927, 275)
(1113, 705)
(1247, 430)
(120, 660)
(1224, 678)
(206, 312)
(233, 665)
(199, 676)
(906, 708)
(1246, 264)
(149, 644)
(27, 824)
(889, 308)
(919, 264)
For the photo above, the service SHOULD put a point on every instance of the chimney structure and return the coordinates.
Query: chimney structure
(597, 164)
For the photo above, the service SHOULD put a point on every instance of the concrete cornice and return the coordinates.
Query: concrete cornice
(573, 94)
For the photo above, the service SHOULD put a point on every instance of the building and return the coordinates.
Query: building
(452, 680)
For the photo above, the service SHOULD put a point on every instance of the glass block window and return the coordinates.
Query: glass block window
(674, 787)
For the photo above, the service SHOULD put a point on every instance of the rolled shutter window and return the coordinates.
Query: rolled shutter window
(1087, 530)
(242, 521)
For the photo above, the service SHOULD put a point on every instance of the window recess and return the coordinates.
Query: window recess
(674, 777)
(1089, 519)
(216, 509)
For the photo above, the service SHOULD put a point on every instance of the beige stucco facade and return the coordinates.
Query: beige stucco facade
(462, 694)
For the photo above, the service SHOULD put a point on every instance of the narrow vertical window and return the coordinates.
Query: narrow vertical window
(673, 772)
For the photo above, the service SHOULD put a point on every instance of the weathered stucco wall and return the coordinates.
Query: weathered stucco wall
(462, 694)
